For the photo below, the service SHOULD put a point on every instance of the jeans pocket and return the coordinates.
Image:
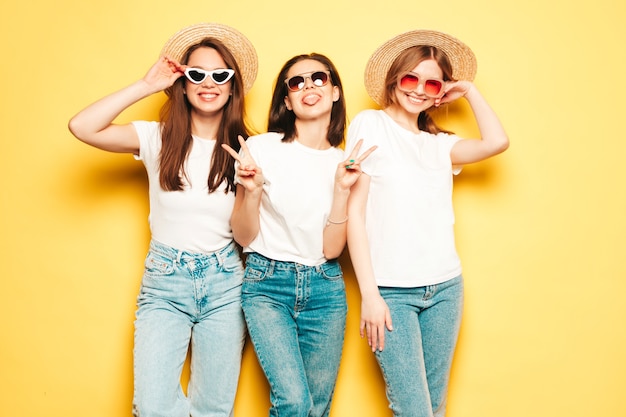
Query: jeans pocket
(331, 271)
(157, 266)
(254, 273)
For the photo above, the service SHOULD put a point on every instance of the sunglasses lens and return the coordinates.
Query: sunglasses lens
(432, 87)
(319, 78)
(408, 82)
(296, 83)
(220, 77)
(195, 76)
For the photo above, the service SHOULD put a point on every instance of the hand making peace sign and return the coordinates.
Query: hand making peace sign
(250, 175)
(349, 170)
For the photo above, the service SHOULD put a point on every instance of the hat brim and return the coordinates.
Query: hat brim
(460, 55)
(240, 46)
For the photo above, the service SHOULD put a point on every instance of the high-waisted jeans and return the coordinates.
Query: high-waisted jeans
(296, 317)
(188, 301)
(418, 352)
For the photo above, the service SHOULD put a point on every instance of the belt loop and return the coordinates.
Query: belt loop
(270, 271)
(179, 254)
(220, 260)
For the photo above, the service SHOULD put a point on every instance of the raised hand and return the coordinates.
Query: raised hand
(163, 73)
(250, 175)
(454, 90)
(349, 170)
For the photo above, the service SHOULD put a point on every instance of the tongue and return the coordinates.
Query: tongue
(311, 99)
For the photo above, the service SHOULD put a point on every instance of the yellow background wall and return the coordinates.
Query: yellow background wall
(540, 228)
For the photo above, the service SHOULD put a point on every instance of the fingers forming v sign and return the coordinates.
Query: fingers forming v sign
(350, 170)
(250, 175)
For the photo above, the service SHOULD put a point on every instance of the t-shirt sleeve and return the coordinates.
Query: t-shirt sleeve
(447, 141)
(148, 133)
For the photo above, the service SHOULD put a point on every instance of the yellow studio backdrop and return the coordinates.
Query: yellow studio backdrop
(539, 228)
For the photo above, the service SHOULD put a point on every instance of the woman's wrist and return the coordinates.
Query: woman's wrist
(330, 221)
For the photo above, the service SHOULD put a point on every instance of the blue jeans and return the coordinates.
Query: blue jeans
(188, 300)
(296, 317)
(418, 353)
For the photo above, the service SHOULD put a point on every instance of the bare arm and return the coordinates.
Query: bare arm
(245, 218)
(335, 231)
(94, 124)
(347, 173)
(494, 139)
(375, 315)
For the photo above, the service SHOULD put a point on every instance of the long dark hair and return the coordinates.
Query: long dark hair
(176, 128)
(283, 120)
(406, 61)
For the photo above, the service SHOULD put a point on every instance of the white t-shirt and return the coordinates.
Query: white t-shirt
(191, 219)
(409, 214)
(296, 200)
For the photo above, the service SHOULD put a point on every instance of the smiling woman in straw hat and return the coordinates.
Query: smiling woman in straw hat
(191, 288)
(400, 231)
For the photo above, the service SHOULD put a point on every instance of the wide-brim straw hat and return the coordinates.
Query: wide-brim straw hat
(240, 46)
(460, 55)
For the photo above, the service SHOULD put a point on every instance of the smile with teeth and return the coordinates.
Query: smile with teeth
(416, 100)
(207, 96)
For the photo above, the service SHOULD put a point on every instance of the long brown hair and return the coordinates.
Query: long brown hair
(406, 61)
(176, 128)
(282, 120)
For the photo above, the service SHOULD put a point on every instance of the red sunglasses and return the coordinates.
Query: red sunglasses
(408, 82)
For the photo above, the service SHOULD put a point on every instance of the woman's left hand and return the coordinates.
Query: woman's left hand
(454, 90)
(349, 170)
(249, 173)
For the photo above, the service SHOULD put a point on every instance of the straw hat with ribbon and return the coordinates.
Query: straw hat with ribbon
(241, 48)
(460, 55)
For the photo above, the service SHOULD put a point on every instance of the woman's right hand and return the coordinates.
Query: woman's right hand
(250, 175)
(375, 318)
(94, 124)
(163, 73)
